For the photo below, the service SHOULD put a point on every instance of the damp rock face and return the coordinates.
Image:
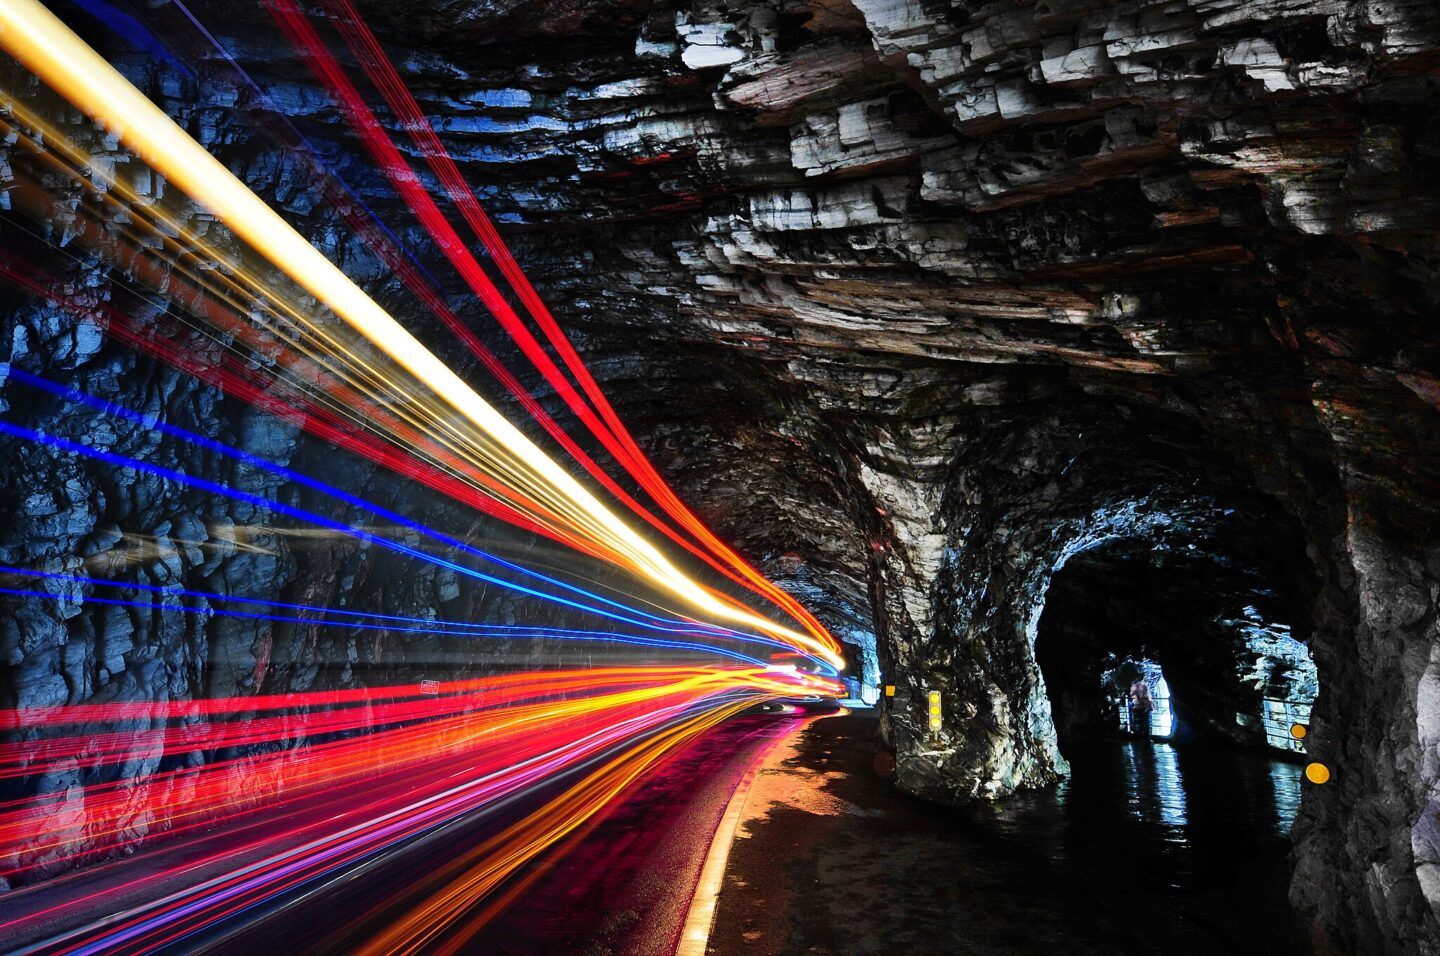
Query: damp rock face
(925, 306)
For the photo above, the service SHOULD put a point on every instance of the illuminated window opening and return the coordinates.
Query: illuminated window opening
(1278, 716)
(1159, 721)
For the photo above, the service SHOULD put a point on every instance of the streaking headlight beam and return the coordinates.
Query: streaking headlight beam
(48, 48)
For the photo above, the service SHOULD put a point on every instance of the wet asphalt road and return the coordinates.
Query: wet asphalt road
(621, 885)
(624, 888)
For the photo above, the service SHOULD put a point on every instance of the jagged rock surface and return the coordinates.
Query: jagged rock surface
(921, 303)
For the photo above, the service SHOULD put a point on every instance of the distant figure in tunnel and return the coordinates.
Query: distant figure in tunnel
(1140, 706)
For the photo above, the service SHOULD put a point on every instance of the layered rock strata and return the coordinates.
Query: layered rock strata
(922, 303)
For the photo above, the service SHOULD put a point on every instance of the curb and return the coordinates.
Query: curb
(695, 937)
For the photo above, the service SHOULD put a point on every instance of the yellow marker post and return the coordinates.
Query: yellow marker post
(933, 701)
(889, 690)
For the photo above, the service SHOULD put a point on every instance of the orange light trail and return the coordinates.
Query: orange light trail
(40, 41)
(450, 755)
(607, 427)
(266, 794)
(451, 910)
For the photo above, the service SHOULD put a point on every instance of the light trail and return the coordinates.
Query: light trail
(419, 281)
(240, 330)
(475, 874)
(474, 486)
(264, 796)
(499, 716)
(361, 534)
(227, 379)
(561, 634)
(608, 427)
(97, 749)
(40, 41)
(388, 786)
(612, 610)
(458, 627)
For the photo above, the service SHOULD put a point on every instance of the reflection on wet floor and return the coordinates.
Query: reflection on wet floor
(1191, 836)
(1146, 849)
(1154, 788)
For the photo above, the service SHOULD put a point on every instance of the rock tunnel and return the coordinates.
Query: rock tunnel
(1020, 342)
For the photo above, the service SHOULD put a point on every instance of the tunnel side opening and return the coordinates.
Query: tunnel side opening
(1144, 707)
(1205, 644)
(1175, 667)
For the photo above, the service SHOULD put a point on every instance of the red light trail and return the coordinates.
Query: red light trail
(346, 798)
(607, 427)
(263, 795)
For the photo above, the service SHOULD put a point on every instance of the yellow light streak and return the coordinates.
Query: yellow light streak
(48, 48)
(347, 367)
(172, 234)
(168, 233)
(473, 876)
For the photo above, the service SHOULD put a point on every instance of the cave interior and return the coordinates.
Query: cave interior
(1026, 342)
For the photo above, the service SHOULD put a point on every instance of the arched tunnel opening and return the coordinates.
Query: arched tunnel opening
(1124, 627)
(1180, 682)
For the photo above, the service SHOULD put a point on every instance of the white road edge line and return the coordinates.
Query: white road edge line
(695, 937)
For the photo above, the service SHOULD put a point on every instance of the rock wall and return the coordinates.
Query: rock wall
(920, 301)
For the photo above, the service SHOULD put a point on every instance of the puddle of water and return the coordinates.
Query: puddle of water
(1195, 835)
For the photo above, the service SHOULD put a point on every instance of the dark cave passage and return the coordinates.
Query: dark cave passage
(1174, 680)
(1198, 640)
(1212, 633)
